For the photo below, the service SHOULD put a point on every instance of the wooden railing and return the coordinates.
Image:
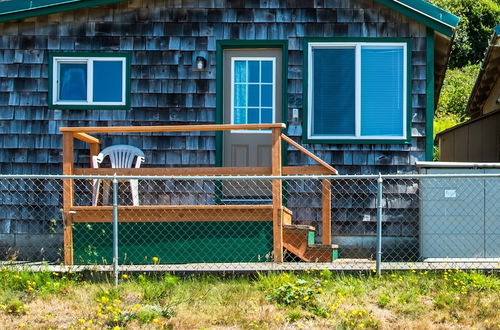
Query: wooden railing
(276, 169)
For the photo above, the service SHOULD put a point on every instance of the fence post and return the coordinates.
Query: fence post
(115, 229)
(379, 224)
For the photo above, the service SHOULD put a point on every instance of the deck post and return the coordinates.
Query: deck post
(326, 212)
(68, 161)
(277, 195)
(94, 151)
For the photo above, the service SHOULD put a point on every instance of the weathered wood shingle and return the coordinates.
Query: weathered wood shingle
(164, 38)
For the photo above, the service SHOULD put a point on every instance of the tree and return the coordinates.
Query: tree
(456, 91)
(477, 20)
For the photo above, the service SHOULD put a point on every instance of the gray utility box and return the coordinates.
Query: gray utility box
(459, 217)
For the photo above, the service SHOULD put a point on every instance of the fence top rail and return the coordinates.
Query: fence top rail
(253, 177)
(178, 128)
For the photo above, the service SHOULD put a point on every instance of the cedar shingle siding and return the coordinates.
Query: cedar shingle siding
(164, 38)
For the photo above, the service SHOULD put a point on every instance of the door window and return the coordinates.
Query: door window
(252, 90)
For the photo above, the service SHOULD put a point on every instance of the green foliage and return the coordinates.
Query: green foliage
(383, 301)
(157, 291)
(294, 316)
(148, 313)
(298, 293)
(357, 319)
(34, 282)
(14, 306)
(477, 20)
(455, 92)
(444, 122)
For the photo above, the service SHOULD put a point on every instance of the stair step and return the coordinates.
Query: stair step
(322, 253)
(299, 240)
(298, 227)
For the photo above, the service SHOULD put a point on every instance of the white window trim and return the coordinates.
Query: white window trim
(357, 110)
(273, 106)
(90, 78)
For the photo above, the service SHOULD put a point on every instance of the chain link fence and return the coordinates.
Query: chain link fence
(226, 223)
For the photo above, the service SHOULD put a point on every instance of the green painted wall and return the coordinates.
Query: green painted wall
(174, 242)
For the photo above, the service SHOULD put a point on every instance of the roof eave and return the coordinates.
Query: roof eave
(53, 8)
(494, 42)
(425, 13)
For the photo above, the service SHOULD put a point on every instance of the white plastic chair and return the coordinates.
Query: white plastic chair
(120, 156)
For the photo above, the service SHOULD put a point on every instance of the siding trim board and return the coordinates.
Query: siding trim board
(429, 111)
(306, 91)
(125, 55)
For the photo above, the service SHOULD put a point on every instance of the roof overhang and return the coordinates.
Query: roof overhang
(18, 9)
(488, 75)
(419, 10)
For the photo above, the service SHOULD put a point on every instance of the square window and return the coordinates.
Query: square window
(357, 91)
(99, 81)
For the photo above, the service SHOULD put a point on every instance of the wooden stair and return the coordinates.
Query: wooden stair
(299, 240)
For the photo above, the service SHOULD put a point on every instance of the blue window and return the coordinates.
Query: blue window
(357, 91)
(95, 81)
(252, 90)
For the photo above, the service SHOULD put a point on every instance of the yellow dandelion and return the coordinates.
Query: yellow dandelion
(155, 259)
(124, 276)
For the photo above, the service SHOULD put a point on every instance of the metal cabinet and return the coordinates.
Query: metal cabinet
(460, 217)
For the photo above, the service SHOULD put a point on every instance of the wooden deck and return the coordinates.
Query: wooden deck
(276, 212)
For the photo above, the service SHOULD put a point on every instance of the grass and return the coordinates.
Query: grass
(320, 300)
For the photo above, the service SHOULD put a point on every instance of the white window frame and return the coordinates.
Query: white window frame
(57, 60)
(357, 111)
(273, 107)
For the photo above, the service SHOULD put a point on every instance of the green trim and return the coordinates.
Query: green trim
(128, 59)
(426, 14)
(305, 104)
(219, 76)
(429, 111)
(19, 9)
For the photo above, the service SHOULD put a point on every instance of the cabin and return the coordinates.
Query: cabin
(353, 82)
(478, 139)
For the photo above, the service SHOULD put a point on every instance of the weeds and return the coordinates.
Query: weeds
(314, 299)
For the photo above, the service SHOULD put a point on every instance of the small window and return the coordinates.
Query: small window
(357, 91)
(252, 90)
(98, 81)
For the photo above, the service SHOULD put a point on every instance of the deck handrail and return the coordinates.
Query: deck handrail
(309, 154)
(177, 128)
(276, 170)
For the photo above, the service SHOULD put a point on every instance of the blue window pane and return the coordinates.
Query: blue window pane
(254, 71)
(266, 116)
(333, 92)
(240, 95)
(240, 116)
(253, 95)
(108, 81)
(267, 71)
(72, 82)
(382, 88)
(240, 71)
(253, 116)
(267, 96)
